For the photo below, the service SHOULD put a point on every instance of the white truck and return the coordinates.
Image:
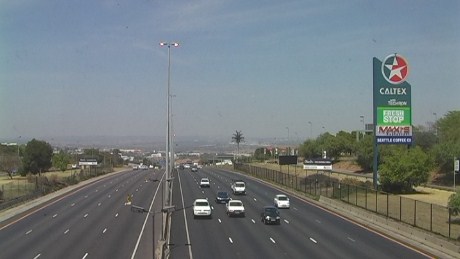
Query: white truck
(238, 187)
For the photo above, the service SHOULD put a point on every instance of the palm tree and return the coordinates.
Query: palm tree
(238, 138)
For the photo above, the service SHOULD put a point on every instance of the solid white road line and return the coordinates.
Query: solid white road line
(145, 221)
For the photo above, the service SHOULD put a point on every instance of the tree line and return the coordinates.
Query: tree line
(401, 167)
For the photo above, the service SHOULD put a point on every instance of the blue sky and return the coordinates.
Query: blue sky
(95, 68)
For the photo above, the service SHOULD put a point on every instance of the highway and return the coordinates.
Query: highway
(90, 222)
(306, 230)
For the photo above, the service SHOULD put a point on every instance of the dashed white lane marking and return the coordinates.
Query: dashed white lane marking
(351, 239)
(287, 221)
(28, 232)
(295, 208)
(55, 215)
(73, 204)
(67, 231)
(253, 221)
(110, 196)
(99, 204)
(230, 239)
(314, 241)
(37, 256)
(255, 199)
(318, 221)
(86, 215)
(86, 196)
(105, 230)
(219, 220)
(116, 215)
(273, 240)
(85, 256)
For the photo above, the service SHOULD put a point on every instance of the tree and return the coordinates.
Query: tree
(310, 149)
(327, 142)
(9, 159)
(9, 163)
(454, 203)
(448, 127)
(364, 151)
(449, 141)
(423, 137)
(61, 160)
(37, 156)
(403, 168)
(238, 138)
(262, 154)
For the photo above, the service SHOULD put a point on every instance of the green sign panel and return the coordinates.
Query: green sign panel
(396, 116)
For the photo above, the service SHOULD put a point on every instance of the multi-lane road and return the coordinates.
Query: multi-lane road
(90, 222)
(306, 231)
(94, 221)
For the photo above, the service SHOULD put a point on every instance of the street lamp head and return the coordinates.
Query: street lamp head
(169, 44)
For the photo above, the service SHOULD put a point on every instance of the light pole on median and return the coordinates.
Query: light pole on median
(364, 127)
(168, 121)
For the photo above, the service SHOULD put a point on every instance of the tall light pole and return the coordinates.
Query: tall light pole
(435, 124)
(168, 121)
(173, 135)
(311, 129)
(364, 127)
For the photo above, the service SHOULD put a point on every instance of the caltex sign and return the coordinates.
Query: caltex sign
(392, 101)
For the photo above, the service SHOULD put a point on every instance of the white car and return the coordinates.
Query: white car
(235, 208)
(201, 208)
(281, 201)
(238, 187)
(204, 182)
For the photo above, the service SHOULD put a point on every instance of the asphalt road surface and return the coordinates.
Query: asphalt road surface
(92, 222)
(306, 231)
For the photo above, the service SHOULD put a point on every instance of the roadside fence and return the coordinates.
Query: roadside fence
(431, 217)
(19, 190)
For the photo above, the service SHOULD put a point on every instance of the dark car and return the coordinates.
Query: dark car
(222, 197)
(270, 215)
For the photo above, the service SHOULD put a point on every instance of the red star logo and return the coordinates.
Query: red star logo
(395, 69)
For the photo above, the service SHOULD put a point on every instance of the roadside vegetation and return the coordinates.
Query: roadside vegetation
(428, 161)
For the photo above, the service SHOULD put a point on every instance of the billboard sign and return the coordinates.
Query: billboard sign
(288, 160)
(317, 164)
(392, 101)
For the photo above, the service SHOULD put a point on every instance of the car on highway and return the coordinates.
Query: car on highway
(222, 197)
(202, 208)
(281, 201)
(204, 182)
(238, 187)
(270, 215)
(235, 208)
(194, 168)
